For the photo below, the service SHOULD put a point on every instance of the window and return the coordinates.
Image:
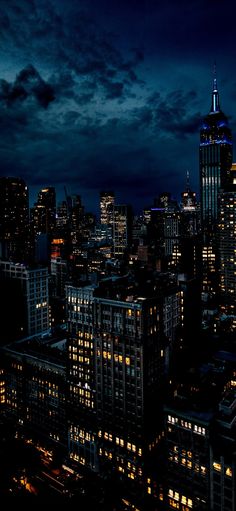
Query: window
(228, 472)
(199, 430)
(216, 466)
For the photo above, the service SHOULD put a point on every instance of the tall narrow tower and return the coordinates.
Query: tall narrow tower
(107, 201)
(43, 213)
(215, 164)
(14, 219)
(215, 160)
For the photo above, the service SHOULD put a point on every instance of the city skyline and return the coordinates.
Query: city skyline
(111, 98)
(118, 347)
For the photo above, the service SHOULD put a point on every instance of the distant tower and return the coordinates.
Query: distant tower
(107, 200)
(76, 218)
(14, 218)
(43, 214)
(188, 196)
(122, 229)
(215, 160)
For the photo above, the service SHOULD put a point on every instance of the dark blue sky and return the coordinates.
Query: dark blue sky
(101, 94)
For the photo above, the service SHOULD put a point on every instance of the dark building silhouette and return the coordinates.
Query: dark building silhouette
(43, 214)
(122, 229)
(14, 219)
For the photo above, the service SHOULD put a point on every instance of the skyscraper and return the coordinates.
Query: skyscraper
(14, 218)
(44, 212)
(122, 226)
(227, 231)
(215, 160)
(118, 357)
(107, 200)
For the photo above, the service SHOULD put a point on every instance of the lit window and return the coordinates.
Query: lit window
(229, 472)
(199, 430)
(217, 466)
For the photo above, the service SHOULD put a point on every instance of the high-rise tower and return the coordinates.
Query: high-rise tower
(107, 200)
(227, 231)
(43, 214)
(14, 218)
(215, 164)
(215, 160)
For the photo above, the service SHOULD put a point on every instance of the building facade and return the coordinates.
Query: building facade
(227, 233)
(118, 350)
(31, 288)
(35, 389)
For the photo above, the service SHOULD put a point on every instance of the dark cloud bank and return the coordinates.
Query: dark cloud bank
(80, 105)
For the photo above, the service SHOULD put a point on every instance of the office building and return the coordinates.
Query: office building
(35, 388)
(43, 214)
(227, 233)
(119, 350)
(107, 201)
(82, 433)
(122, 229)
(200, 441)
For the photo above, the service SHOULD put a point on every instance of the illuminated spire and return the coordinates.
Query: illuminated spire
(215, 105)
(187, 180)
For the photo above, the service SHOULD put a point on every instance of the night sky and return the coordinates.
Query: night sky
(109, 94)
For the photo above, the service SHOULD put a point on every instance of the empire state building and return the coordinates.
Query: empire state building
(215, 161)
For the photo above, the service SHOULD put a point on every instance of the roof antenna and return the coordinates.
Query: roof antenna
(187, 180)
(215, 106)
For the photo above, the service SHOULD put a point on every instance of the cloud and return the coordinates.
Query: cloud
(70, 46)
(113, 89)
(174, 113)
(83, 111)
(62, 141)
(28, 84)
